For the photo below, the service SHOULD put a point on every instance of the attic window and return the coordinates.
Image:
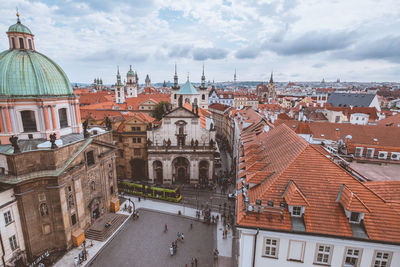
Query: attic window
(382, 155)
(355, 217)
(296, 211)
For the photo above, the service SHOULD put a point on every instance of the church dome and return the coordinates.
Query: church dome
(20, 28)
(25, 73)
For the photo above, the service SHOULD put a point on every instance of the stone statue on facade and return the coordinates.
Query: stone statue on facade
(53, 138)
(85, 126)
(108, 123)
(14, 142)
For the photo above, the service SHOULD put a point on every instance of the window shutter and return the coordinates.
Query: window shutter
(296, 249)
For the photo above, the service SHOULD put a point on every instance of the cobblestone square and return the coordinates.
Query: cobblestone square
(143, 243)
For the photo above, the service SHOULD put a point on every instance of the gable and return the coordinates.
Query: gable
(180, 112)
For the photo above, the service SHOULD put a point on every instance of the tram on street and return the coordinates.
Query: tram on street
(168, 194)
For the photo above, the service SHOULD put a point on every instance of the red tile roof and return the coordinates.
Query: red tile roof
(390, 121)
(318, 181)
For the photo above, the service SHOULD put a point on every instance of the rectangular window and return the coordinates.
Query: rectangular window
(13, 243)
(120, 139)
(30, 44)
(271, 247)
(352, 257)
(73, 219)
(370, 152)
(134, 140)
(90, 158)
(21, 43)
(355, 217)
(62, 115)
(7, 217)
(296, 211)
(395, 156)
(296, 250)
(136, 151)
(13, 42)
(121, 153)
(28, 121)
(323, 254)
(382, 258)
(139, 140)
(359, 151)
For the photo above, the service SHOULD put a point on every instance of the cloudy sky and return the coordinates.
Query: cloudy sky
(298, 39)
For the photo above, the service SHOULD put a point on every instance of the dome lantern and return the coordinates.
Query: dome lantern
(20, 37)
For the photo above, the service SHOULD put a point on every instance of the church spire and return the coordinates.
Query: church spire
(203, 81)
(234, 77)
(271, 79)
(176, 85)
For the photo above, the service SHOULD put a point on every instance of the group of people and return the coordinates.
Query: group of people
(174, 245)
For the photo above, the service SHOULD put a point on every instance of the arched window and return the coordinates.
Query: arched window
(28, 121)
(30, 44)
(13, 42)
(21, 43)
(62, 116)
(203, 97)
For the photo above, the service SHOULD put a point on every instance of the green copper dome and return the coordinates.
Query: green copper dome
(25, 74)
(130, 72)
(19, 27)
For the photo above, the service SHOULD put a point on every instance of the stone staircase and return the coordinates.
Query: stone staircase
(99, 232)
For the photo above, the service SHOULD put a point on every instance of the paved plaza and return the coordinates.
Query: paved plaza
(143, 242)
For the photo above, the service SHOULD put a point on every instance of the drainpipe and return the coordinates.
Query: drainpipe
(255, 246)
(2, 248)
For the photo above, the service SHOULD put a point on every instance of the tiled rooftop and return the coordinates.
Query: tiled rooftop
(310, 178)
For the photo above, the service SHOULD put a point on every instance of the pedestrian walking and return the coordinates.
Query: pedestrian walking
(182, 236)
(192, 262)
(195, 262)
(165, 228)
(179, 235)
(191, 225)
(139, 198)
(171, 250)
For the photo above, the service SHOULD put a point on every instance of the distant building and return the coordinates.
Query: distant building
(266, 92)
(127, 90)
(354, 100)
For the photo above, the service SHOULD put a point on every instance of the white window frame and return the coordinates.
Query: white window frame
(13, 242)
(359, 256)
(384, 155)
(292, 213)
(359, 217)
(380, 259)
(302, 250)
(317, 252)
(361, 152)
(276, 246)
(372, 153)
(397, 154)
(8, 218)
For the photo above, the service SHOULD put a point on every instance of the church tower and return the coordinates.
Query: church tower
(147, 81)
(271, 87)
(203, 92)
(119, 90)
(131, 83)
(174, 89)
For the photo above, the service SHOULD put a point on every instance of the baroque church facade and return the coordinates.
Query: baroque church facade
(63, 175)
(181, 149)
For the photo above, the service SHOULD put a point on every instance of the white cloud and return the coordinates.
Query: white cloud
(298, 39)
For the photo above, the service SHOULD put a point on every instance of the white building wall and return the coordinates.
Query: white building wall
(9, 203)
(246, 246)
(375, 103)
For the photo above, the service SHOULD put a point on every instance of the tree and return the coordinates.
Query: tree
(160, 109)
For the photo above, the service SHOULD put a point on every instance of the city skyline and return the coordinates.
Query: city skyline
(298, 40)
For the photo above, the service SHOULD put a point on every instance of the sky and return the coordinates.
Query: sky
(299, 40)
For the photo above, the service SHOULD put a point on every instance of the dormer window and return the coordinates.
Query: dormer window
(296, 211)
(395, 156)
(355, 217)
(359, 151)
(382, 155)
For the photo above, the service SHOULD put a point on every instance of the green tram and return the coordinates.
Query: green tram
(173, 195)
